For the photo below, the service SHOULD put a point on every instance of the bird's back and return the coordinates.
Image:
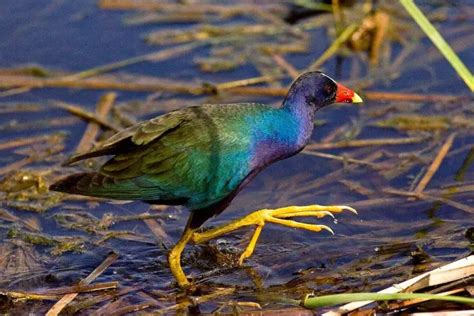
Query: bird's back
(196, 156)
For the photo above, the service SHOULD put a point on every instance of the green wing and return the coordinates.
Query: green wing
(196, 154)
(148, 131)
(140, 134)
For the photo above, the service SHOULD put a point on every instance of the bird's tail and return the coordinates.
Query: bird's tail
(99, 185)
(84, 183)
(90, 184)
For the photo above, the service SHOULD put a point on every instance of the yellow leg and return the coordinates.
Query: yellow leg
(251, 246)
(174, 257)
(276, 216)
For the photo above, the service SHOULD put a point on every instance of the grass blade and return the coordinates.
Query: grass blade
(330, 300)
(439, 42)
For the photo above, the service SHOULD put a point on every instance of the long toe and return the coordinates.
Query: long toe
(317, 209)
(350, 209)
(318, 214)
(295, 224)
(278, 216)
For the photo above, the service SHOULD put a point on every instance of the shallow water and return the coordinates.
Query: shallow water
(389, 241)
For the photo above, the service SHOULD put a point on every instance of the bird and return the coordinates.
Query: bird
(202, 156)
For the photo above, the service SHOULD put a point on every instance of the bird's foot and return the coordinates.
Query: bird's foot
(174, 258)
(279, 216)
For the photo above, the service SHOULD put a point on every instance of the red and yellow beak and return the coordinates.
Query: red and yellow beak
(346, 95)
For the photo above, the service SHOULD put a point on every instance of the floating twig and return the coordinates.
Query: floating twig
(17, 165)
(214, 8)
(161, 55)
(76, 110)
(423, 196)
(24, 141)
(96, 299)
(335, 175)
(404, 304)
(55, 294)
(344, 159)
(17, 295)
(158, 231)
(366, 142)
(285, 65)
(103, 108)
(414, 97)
(245, 82)
(237, 87)
(28, 223)
(100, 83)
(435, 164)
(66, 299)
(82, 288)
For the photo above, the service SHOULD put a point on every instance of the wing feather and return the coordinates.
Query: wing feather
(197, 155)
(141, 134)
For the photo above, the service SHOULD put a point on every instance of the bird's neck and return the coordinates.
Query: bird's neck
(297, 107)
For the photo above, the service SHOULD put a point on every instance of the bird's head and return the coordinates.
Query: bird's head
(317, 90)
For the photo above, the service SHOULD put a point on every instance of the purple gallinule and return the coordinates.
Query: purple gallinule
(202, 156)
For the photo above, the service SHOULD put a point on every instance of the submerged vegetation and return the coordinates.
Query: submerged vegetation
(404, 159)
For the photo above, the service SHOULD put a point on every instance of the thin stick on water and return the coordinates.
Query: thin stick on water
(78, 111)
(66, 299)
(16, 165)
(435, 164)
(285, 65)
(366, 142)
(55, 294)
(342, 158)
(103, 108)
(24, 141)
(161, 55)
(245, 82)
(423, 196)
(237, 87)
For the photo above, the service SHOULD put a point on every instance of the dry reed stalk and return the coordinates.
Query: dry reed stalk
(410, 97)
(344, 159)
(336, 175)
(245, 82)
(366, 142)
(404, 304)
(96, 299)
(90, 134)
(99, 83)
(84, 114)
(238, 87)
(435, 164)
(66, 299)
(17, 165)
(214, 8)
(158, 231)
(23, 141)
(285, 65)
(423, 196)
(161, 55)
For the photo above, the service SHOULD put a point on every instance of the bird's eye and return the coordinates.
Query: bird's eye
(329, 91)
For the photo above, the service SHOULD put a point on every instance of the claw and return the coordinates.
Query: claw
(318, 214)
(278, 216)
(326, 228)
(350, 209)
(329, 213)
